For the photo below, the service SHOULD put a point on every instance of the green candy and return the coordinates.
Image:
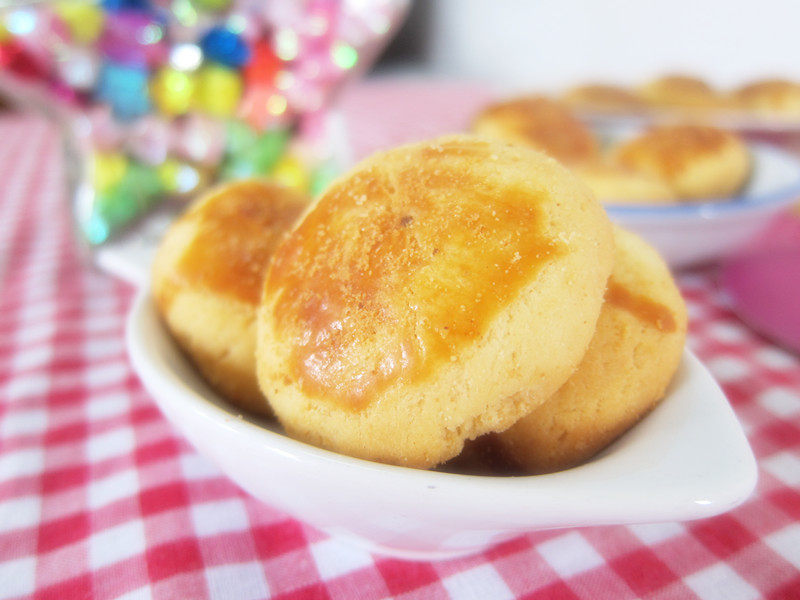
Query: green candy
(322, 177)
(212, 5)
(258, 158)
(140, 188)
(117, 207)
(240, 137)
(145, 182)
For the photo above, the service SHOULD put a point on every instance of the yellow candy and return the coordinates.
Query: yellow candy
(172, 91)
(4, 34)
(218, 90)
(84, 19)
(168, 174)
(291, 172)
(109, 169)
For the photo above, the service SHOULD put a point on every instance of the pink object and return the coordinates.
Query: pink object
(407, 110)
(102, 129)
(149, 139)
(133, 38)
(200, 140)
(763, 283)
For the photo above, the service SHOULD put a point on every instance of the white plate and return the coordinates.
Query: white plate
(742, 122)
(691, 233)
(688, 459)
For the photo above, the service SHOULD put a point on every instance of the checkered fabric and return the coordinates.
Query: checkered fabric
(100, 498)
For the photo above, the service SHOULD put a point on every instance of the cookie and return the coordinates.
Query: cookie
(631, 359)
(604, 98)
(770, 97)
(207, 279)
(542, 124)
(680, 92)
(697, 162)
(613, 184)
(438, 291)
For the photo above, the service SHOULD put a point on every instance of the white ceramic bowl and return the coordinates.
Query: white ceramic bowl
(688, 459)
(693, 233)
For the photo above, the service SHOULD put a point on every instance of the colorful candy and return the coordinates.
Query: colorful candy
(124, 88)
(225, 47)
(200, 139)
(149, 139)
(118, 5)
(78, 68)
(84, 19)
(292, 172)
(323, 176)
(172, 91)
(175, 94)
(108, 169)
(215, 5)
(181, 179)
(218, 91)
(258, 158)
(133, 38)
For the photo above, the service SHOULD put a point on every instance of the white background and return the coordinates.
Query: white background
(555, 43)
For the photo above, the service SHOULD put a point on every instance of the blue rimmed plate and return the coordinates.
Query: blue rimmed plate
(696, 232)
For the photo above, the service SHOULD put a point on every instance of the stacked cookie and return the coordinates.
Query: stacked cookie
(207, 279)
(668, 163)
(445, 291)
(773, 100)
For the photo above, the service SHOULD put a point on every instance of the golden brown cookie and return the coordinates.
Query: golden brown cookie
(208, 275)
(604, 98)
(634, 354)
(539, 123)
(436, 292)
(695, 161)
(770, 97)
(614, 184)
(681, 92)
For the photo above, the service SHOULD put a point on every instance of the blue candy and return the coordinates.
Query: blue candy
(114, 5)
(124, 88)
(225, 47)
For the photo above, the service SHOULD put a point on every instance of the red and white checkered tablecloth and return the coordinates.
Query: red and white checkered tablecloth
(100, 498)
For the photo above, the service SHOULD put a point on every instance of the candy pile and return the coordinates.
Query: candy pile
(171, 95)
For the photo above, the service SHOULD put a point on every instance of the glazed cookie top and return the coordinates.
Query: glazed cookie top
(235, 230)
(541, 123)
(696, 161)
(403, 302)
(413, 257)
(207, 279)
(674, 146)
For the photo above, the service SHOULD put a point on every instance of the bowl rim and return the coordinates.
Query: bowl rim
(486, 494)
(706, 209)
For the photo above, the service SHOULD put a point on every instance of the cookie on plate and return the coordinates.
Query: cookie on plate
(614, 184)
(438, 291)
(770, 97)
(604, 98)
(697, 162)
(681, 92)
(631, 359)
(207, 279)
(539, 123)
